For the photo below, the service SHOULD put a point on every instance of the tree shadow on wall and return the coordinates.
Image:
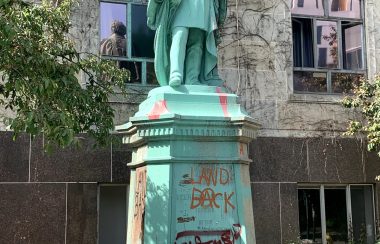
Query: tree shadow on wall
(157, 217)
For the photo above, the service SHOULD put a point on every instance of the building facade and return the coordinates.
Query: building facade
(290, 61)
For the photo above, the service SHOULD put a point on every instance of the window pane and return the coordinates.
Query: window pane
(310, 215)
(336, 216)
(302, 42)
(345, 82)
(328, 44)
(112, 214)
(310, 81)
(345, 8)
(113, 19)
(352, 46)
(142, 36)
(134, 68)
(308, 7)
(150, 74)
(362, 214)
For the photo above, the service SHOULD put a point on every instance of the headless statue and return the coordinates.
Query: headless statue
(186, 39)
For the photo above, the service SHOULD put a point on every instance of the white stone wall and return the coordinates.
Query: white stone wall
(255, 58)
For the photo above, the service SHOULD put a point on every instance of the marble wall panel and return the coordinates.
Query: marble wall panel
(266, 211)
(32, 213)
(14, 157)
(336, 160)
(82, 214)
(84, 164)
(279, 160)
(289, 212)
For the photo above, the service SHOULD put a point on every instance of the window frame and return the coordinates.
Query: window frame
(322, 187)
(340, 68)
(129, 58)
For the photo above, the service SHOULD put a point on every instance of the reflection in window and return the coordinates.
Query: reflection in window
(310, 215)
(142, 36)
(126, 37)
(345, 82)
(328, 47)
(345, 8)
(363, 228)
(308, 7)
(109, 13)
(336, 216)
(310, 81)
(352, 46)
(151, 75)
(302, 42)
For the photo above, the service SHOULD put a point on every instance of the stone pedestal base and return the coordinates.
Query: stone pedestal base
(190, 168)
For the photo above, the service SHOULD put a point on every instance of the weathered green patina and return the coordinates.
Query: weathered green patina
(186, 38)
(190, 168)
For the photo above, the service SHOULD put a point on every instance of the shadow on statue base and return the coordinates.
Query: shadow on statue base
(190, 168)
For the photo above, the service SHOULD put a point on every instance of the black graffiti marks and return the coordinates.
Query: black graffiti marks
(222, 236)
(185, 219)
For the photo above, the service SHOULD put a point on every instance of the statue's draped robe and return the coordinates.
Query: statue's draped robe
(163, 15)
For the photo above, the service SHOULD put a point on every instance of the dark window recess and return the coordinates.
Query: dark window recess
(319, 34)
(112, 214)
(310, 215)
(362, 228)
(134, 69)
(336, 216)
(322, 57)
(142, 36)
(308, 81)
(300, 3)
(302, 42)
(345, 82)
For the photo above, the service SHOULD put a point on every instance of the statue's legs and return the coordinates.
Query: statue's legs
(177, 55)
(194, 54)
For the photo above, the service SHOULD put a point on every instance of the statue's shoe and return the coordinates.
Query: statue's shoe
(175, 82)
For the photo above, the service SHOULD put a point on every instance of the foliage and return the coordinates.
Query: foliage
(40, 70)
(366, 99)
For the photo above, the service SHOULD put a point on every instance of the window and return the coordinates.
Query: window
(336, 214)
(126, 39)
(113, 214)
(327, 45)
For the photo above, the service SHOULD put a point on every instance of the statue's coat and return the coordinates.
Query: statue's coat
(160, 15)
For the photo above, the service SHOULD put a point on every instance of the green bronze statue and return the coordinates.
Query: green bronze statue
(186, 39)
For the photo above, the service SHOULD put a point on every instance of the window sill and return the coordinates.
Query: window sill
(316, 98)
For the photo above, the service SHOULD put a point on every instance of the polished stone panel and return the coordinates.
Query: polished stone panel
(266, 210)
(289, 212)
(121, 156)
(82, 213)
(32, 213)
(14, 157)
(83, 164)
(279, 159)
(336, 161)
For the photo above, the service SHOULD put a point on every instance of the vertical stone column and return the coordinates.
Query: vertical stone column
(190, 178)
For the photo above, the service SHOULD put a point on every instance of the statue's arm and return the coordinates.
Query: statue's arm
(152, 11)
